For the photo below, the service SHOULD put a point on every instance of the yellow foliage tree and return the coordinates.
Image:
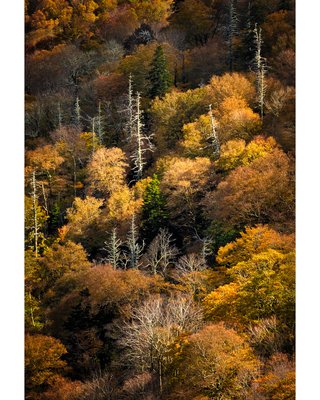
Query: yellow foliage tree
(261, 287)
(48, 21)
(184, 183)
(121, 206)
(231, 154)
(82, 20)
(197, 137)
(254, 240)
(220, 304)
(172, 112)
(84, 222)
(235, 152)
(45, 160)
(140, 187)
(107, 170)
(156, 11)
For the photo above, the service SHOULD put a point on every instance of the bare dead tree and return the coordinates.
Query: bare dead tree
(93, 130)
(102, 386)
(138, 387)
(59, 116)
(161, 253)
(93, 124)
(135, 249)
(265, 336)
(262, 90)
(113, 249)
(74, 163)
(214, 136)
(140, 142)
(260, 68)
(190, 263)
(35, 212)
(232, 31)
(130, 109)
(183, 312)
(278, 100)
(77, 113)
(127, 110)
(206, 246)
(153, 329)
(45, 201)
(188, 271)
(100, 124)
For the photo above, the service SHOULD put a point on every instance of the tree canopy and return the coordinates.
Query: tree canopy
(159, 199)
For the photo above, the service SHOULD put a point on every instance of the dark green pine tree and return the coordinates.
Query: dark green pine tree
(154, 213)
(247, 47)
(160, 78)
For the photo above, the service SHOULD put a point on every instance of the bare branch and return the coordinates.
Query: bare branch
(161, 253)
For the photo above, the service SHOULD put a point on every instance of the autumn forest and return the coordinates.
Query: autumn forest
(159, 199)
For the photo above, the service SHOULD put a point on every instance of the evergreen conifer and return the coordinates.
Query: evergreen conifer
(154, 213)
(159, 76)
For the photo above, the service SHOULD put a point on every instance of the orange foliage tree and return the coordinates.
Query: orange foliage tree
(261, 192)
(278, 382)
(42, 360)
(218, 363)
(60, 259)
(237, 120)
(233, 85)
(184, 183)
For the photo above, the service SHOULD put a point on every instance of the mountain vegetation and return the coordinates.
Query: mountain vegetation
(160, 199)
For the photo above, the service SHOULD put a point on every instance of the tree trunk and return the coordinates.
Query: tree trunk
(35, 216)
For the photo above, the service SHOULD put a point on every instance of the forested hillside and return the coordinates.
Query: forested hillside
(160, 199)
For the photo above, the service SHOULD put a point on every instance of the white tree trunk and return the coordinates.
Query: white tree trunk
(232, 31)
(135, 250)
(59, 116)
(140, 142)
(113, 248)
(214, 135)
(100, 124)
(260, 71)
(130, 108)
(93, 128)
(35, 215)
(77, 112)
(138, 160)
